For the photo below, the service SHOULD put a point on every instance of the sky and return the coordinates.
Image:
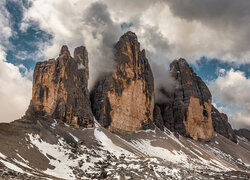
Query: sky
(213, 36)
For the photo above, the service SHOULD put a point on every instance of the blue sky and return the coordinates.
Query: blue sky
(40, 27)
(24, 44)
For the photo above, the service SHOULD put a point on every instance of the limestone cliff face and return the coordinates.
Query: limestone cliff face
(222, 126)
(60, 89)
(188, 110)
(124, 100)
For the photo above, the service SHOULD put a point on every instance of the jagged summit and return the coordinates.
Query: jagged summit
(64, 51)
(129, 34)
(124, 101)
(188, 110)
(60, 89)
(42, 145)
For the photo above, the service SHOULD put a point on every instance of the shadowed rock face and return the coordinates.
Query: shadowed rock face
(60, 89)
(158, 118)
(188, 110)
(221, 125)
(124, 100)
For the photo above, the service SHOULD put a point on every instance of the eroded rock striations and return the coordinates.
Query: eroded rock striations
(188, 108)
(124, 100)
(222, 126)
(60, 89)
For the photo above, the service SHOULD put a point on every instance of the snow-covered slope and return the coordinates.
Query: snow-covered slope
(50, 149)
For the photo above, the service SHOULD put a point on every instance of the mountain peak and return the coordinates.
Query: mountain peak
(64, 51)
(124, 101)
(60, 89)
(129, 34)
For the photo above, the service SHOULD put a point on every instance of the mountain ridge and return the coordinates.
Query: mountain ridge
(118, 131)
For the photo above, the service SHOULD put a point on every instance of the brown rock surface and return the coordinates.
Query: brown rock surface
(60, 89)
(188, 110)
(124, 100)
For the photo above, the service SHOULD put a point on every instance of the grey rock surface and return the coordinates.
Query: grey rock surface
(222, 126)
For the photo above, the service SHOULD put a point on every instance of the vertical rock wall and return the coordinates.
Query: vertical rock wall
(188, 110)
(124, 100)
(60, 89)
(221, 125)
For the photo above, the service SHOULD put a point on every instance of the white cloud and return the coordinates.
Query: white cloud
(164, 33)
(15, 89)
(76, 23)
(232, 88)
(15, 92)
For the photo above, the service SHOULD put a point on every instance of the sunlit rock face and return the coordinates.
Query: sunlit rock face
(123, 101)
(188, 108)
(60, 89)
(222, 126)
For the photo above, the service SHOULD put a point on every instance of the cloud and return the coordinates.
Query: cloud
(228, 18)
(231, 88)
(107, 32)
(77, 23)
(167, 29)
(6, 31)
(215, 29)
(15, 92)
(15, 89)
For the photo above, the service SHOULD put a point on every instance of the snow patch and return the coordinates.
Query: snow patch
(3, 156)
(146, 147)
(61, 162)
(109, 145)
(53, 125)
(75, 138)
(81, 66)
(12, 166)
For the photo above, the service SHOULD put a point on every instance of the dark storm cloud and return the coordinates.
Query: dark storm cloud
(222, 15)
(230, 11)
(98, 18)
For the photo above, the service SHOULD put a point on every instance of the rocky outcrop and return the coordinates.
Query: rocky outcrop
(243, 133)
(60, 89)
(124, 100)
(222, 126)
(158, 118)
(188, 109)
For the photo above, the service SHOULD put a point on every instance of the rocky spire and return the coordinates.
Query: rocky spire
(60, 89)
(222, 126)
(124, 100)
(189, 108)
